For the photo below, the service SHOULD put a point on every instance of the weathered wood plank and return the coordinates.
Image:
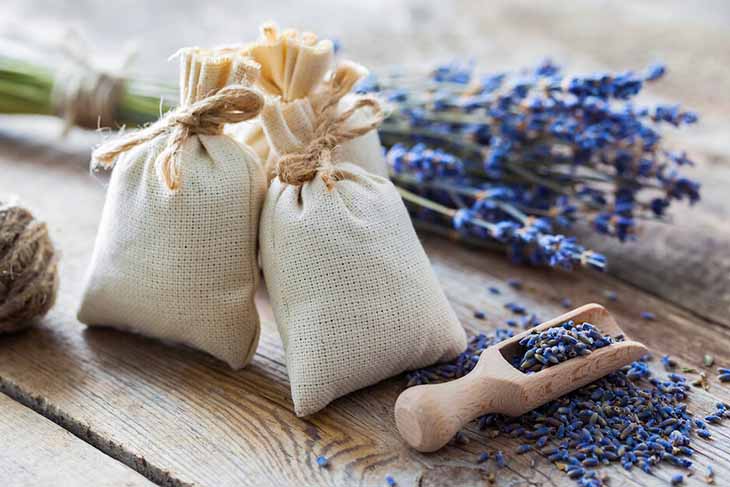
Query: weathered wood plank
(34, 451)
(180, 417)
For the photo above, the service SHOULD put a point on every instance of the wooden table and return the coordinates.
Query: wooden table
(100, 407)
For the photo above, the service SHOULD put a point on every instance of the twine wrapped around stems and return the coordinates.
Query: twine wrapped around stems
(231, 104)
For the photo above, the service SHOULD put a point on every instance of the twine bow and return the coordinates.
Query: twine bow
(297, 168)
(231, 104)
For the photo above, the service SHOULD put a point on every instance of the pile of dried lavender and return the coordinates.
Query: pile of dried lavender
(628, 417)
(558, 344)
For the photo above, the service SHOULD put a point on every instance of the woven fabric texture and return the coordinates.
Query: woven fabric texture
(181, 265)
(294, 66)
(353, 293)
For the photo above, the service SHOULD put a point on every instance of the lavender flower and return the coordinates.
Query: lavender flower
(514, 159)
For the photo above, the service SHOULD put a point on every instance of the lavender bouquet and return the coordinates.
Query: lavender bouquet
(506, 160)
(511, 159)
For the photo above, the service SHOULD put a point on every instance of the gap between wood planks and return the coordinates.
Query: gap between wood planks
(88, 435)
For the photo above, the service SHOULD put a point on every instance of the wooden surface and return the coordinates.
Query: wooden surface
(34, 451)
(179, 417)
(430, 415)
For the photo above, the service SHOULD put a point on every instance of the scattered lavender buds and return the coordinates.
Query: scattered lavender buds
(516, 308)
(499, 458)
(677, 479)
(513, 159)
(668, 362)
(479, 315)
(558, 344)
(648, 315)
(710, 476)
(322, 461)
(627, 417)
(566, 303)
(390, 481)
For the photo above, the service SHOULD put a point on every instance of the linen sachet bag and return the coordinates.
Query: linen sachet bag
(176, 252)
(293, 68)
(353, 293)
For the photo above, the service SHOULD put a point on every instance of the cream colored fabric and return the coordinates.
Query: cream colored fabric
(293, 68)
(353, 293)
(180, 265)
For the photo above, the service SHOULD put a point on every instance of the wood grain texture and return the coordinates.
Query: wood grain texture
(36, 452)
(182, 418)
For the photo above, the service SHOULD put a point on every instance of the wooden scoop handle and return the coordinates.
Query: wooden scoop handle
(428, 416)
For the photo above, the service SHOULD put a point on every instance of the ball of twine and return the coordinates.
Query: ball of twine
(28, 269)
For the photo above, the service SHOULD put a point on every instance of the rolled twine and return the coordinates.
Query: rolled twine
(317, 158)
(231, 104)
(28, 269)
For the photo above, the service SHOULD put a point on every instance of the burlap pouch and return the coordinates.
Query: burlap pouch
(293, 68)
(176, 252)
(353, 293)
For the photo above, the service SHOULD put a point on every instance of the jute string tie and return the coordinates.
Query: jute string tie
(231, 104)
(317, 158)
(84, 94)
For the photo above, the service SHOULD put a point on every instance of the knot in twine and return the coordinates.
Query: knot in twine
(231, 104)
(28, 269)
(297, 168)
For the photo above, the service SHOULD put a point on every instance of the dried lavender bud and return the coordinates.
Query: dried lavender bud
(322, 461)
(558, 344)
(668, 362)
(523, 449)
(514, 283)
(479, 315)
(516, 308)
(677, 479)
(499, 458)
(390, 481)
(648, 315)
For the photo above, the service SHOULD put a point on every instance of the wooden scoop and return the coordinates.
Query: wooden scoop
(428, 416)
